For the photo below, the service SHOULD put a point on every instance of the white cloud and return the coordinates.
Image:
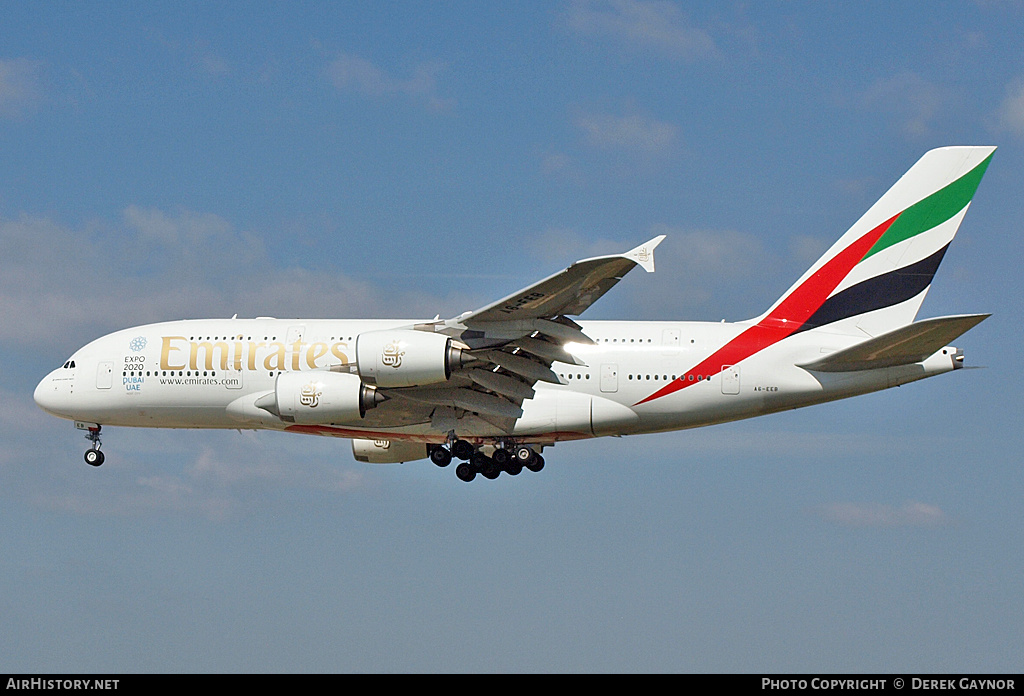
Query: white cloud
(20, 86)
(1010, 116)
(249, 463)
(634, 133)
(348, 72)
(644, 24)
(703, 274)
(709, 274)
(908, 98)
(147, 495)
(156, 265)
(560, 165)
(910, 514)
(230, 477)
(210, 63)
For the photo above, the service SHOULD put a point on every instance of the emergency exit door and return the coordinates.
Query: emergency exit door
(609, 378)
(105, 375)
(730, 379)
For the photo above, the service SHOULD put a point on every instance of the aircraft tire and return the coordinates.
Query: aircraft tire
(524, 454)
(441, 456)
(465, 472)
(502, 457)
(537, 464)
(462, 450)
(484, 465)
(93, 457)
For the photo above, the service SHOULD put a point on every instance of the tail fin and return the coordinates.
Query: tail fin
(876, 276)
(874, 279)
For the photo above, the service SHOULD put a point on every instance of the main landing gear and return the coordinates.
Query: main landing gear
(509, 459)
(93, 456)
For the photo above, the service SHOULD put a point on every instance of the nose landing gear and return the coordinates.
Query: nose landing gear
(93, 456)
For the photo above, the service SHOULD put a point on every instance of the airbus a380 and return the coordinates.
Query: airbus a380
(493, 387)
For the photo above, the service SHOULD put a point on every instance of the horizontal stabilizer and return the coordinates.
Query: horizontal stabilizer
(905, 346)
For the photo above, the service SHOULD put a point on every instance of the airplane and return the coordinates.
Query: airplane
(495, 386)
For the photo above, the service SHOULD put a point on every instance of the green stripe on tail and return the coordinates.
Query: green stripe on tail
(933, 210)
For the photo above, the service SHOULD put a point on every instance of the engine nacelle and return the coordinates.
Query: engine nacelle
(406, 358)
(319, 398)
(388, 451)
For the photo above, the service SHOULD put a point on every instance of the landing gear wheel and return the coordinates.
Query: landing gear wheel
(513, 468)
(93, 456)
(441, 456)
(501, 457)
(485, 465)
(537, 464)
(465, 472)
(462, 450)
(524, 454)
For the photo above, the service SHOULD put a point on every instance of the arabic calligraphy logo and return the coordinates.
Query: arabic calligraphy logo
(137, 344)
(383, 444)
(309, 395)
(643, 255)
(392, 354)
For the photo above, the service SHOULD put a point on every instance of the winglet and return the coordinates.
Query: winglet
(644, 254)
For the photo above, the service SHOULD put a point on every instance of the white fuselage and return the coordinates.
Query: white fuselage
(209, 374)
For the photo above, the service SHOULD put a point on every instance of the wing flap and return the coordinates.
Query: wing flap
(524, 367)
(564, 330)
(511, 387)
(905, 346)
(546, 351)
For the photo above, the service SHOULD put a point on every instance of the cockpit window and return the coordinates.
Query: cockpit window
(69, 364)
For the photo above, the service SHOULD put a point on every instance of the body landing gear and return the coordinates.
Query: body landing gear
(508, 460)
(93, 456)
(442, 455)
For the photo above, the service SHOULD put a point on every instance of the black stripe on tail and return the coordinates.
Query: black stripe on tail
(878, 292)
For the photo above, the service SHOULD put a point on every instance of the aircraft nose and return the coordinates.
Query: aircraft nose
(46, 395)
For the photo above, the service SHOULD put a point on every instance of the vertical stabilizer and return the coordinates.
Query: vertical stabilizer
(874, 279)
(876, 276)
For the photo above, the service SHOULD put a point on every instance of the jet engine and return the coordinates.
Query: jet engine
(319, 398)
(406, 358)
(388, 451)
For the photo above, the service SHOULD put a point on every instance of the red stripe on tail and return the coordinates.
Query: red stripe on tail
(785, 319)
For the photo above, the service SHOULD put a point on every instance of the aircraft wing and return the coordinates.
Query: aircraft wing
(514, 341)
(568, 292)
(904, 346)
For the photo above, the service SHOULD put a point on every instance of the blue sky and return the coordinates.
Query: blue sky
(361, 160)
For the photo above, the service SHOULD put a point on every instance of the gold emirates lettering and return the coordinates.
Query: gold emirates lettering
(179, 353)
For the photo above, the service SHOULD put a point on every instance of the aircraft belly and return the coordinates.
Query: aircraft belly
(566, 414)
